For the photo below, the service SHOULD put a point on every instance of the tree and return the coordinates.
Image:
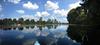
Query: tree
(7, 21)
(40, 21)
(10, 22)
(20, 21)
(49, 21)
(92, 8)
(1, 22)
(55, 21)
(77, 16)
(27, 21)
(14, 21)
(32, 21)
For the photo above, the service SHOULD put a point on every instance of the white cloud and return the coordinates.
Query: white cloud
(51, 5)
(40, 14)
(61, 12)
(20, 11)
(45, 13)
(74, 5)
(59, 18)
(30, 17)
(29, 5)
(64, 20)
(14, 1)
(27, 16)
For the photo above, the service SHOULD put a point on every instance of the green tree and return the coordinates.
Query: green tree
(77, 16)
(7, 21)
(14, 21)
(1, 22)
(32, 21)
(27, 21)
(40, 21)
(49, 21)
(20, 21)
(55, 21)
(92, 8)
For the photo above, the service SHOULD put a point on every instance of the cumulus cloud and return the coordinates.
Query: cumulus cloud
(40, 14)
(45, 13)
(64, 12)
(61, 12)
(51, 5)
(64, 20)
(29, 5)
(20, 11)
(30, 17)
(27, 16)
(14, 1)
(56, 9)
(73, 5)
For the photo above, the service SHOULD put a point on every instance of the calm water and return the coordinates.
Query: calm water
(36, 35)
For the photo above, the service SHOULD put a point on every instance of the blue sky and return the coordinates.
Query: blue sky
(34, 9)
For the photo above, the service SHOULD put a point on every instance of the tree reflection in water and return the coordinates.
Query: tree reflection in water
(20, 28)
(76, 32)
(27, 27)
(87, 35)
(32, 27)
(45, 35)
(92, 37)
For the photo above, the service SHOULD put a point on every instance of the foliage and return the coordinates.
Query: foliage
(92, 8)
(77, 16)
(21, 21)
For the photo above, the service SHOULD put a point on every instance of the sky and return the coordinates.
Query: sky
(34, 9)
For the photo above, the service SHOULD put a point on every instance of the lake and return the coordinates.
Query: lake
(37, 35)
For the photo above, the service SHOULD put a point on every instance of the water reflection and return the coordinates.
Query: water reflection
(14, 28)
(86, 35)
(76, 32)
(20, 28)
(37, 43)
(92, 36)
(29, 35)
(32, 27)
